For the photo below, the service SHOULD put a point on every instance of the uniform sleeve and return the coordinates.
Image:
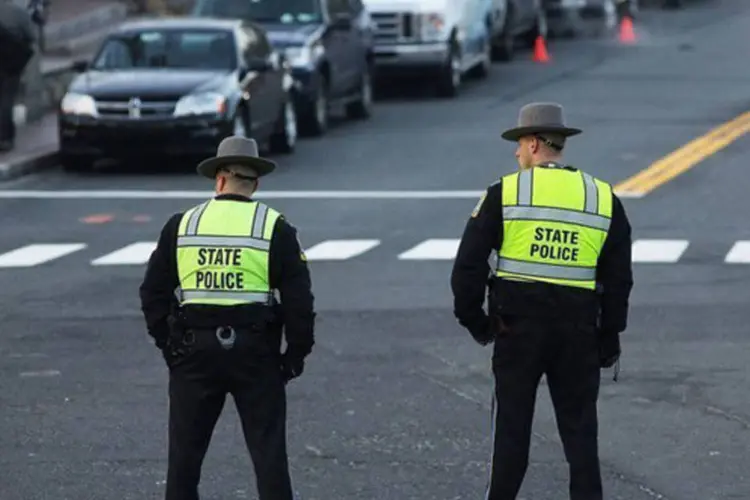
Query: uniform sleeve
(482, 234)
(615, 271)
(159, 283)
(291, 276)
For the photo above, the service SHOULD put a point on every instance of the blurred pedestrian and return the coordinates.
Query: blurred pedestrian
(560, 237)
(209, 300)
(38, 10)
(16, 50)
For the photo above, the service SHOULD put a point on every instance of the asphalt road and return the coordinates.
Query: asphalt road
(395, 399)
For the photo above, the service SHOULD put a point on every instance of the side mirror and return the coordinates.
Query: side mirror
(80, 66)
(342, 22)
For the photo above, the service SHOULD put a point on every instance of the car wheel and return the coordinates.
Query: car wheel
(314, 119)
(504, 48)
(284, 140)
(450, 75)
(77, 163)
(362, 107)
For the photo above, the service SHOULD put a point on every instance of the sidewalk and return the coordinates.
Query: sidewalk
(36, 149)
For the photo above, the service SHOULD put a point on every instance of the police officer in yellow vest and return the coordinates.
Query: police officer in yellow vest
(209, 300)
(557, 299)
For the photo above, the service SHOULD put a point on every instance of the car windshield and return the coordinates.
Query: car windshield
(169, 49)
(271, 11)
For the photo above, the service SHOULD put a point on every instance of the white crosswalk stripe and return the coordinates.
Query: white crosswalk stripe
(34, 255)
(645, 251)
(658, 251)
(433, 249)
(340, 249)
(133, 254)
(739, 253)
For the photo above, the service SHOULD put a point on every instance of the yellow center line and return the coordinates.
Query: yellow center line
(685, 158)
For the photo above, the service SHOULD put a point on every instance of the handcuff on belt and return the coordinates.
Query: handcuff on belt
(226, 336)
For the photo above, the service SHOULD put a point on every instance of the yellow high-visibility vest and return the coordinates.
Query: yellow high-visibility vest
(222, 253)
(555, 222)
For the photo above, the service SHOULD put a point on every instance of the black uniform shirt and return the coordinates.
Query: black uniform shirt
(484, 232)
(288, 273)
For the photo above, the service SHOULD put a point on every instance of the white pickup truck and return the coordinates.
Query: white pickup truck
(446, 39)
(438, 39)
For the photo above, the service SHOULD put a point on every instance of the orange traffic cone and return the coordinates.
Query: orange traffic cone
(627, 34)
(540, 50)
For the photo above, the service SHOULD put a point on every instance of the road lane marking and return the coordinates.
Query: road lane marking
(685, 158)
(41, 373)
(98, 219)
(340, 249)
(268, 195)
(433, 249)
(33, 255)
(644, 251)
(658, 251)
(739, 253)
(133, 254)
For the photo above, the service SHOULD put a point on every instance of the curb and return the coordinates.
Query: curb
(28, 164)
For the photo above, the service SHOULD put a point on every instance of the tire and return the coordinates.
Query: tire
(449, 79)
(361, 109)
(313, 119)
(77, 163)
(284, 139)
(505, 48)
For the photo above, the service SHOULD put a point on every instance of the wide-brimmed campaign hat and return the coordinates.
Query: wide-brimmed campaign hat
(538, 118)
(236, 150)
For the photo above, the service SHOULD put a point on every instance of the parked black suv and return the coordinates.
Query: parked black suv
(328, 44)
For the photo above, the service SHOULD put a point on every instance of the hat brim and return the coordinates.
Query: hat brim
(516, 133)
(208, 168)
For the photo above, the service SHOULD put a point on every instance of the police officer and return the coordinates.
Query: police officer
(558, 297)
(208, 298)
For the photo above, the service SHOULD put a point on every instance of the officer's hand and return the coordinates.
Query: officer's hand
(609, 349)
(291, 367)
(483, 333)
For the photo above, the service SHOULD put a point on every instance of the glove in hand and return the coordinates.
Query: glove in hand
(483, 334)
(609, 349)
(291, 367)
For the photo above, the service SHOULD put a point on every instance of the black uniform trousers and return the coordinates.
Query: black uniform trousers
(198, 385)
(9, 84)
(567, 353)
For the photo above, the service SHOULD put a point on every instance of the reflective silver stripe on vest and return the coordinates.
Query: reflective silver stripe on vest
(556, 215)
(525, 187)
(223, 241)
(195, 218)
(259, 221)
(265, 298)
(592, 194)
(546, 270)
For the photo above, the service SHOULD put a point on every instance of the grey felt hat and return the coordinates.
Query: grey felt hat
(540, 117)
(236, 150)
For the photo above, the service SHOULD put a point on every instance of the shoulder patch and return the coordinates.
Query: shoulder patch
(478, 207)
